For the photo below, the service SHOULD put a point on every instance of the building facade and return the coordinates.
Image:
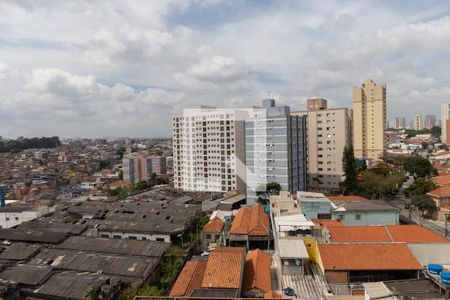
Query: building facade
(430, 121)
(138, 167)
(445, 115)
(369, 120)
(208, 149)
(275, 149)
(418, 123)
(329, 132)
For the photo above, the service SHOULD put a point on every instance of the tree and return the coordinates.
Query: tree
(201, 221)
(419, 167)
(120, 175)
(436, 131)
(265, 191)
(420, 186)
(350, 170)
(424, 203)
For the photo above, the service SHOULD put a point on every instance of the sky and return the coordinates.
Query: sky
(84, 68)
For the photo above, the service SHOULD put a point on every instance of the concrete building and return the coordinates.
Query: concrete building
(208, 147)
(158, 164)
(329, 132)
(275, 145)
(131, 168)
(400, 123)
(418, 122)
(430, 121)
(445, 115)
(369, 120)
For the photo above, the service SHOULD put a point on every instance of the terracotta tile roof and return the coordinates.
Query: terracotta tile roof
(327, 223)
(359, 234)
(443, 180)
(347, 198)
(224, 268)
(257, 271)
(250, 221)
(442, 192)
(190, 278)
(414, 234)
(214, 226)
(367, 257)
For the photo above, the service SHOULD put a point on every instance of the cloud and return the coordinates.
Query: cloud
(98, 68)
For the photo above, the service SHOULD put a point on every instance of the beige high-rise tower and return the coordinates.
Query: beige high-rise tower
(329, 132)
(369, 120)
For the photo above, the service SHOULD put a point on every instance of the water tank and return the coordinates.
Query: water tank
(445, 277)
(435, 269)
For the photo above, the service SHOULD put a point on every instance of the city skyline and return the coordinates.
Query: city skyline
(90, 77)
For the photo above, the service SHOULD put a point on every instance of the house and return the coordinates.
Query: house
(315, 205)
(257, 280)
(218, 277)
(250, 227)
(213, 232)
(441, 196)
(364, 213)
(293, 255)
(367, 262)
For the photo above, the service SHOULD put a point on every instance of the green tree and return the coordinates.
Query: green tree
(264, 191)
(350, 170)
(201, 221)
(436, 131)
(424, 203)
(419, 167)
(420, 186)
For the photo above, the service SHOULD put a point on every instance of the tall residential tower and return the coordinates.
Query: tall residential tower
(369, 120)
(329, 132)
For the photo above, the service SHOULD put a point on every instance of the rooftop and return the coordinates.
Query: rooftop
(372, 205)
(443, 180)
(346, 198)
(224, 268)
(27, 274)
(214, 226)
(115, 246)
(189, 279)
(19, 251)
(389, 233)
(257, 271)
(442, 192)
(292, 248)
(367, 257)
(414, 289)
(251, 221)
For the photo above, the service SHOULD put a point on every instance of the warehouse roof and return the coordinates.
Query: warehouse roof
(115, 246)
(27, 274)
(32, 235)
(94, 262)
(19, 251)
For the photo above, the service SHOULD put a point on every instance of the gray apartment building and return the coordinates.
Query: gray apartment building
(275, 149)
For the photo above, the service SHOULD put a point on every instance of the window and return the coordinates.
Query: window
(132, 237)
(208, 236)
(341, 217)
(358, 216)
(159, 239)
(116, 236)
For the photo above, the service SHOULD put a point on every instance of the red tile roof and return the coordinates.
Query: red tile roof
(327, 223)
(224, 268)
(189, 279)
(359, 234)
(443, 180)
(367, 257)
(251, 221)
(414, 234)
(442, 192)
(257, 271)
(389, 233)
(346, 198)
(214, 226)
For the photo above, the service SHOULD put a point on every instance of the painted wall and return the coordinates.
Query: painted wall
(362, 218)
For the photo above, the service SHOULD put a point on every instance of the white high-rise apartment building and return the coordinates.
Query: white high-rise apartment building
(208, 149)
(418, 124)
(445, 115)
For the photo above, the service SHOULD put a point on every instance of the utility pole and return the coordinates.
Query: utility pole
(446, 224)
